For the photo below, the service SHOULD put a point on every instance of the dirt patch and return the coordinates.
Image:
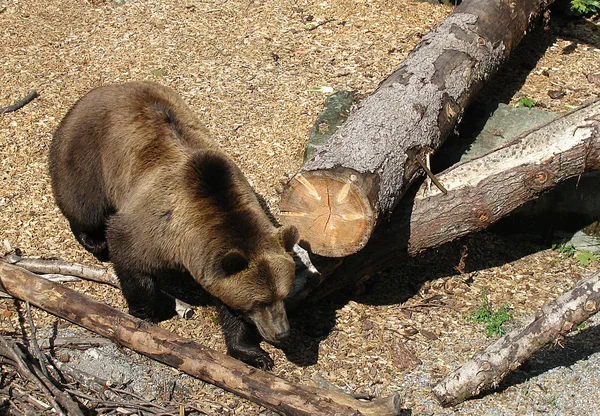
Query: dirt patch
(245, 68)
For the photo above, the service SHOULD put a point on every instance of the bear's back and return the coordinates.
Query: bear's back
(115, 137)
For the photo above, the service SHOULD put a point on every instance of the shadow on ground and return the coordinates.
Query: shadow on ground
(571, 350)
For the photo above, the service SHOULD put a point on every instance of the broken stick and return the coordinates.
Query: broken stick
(488, 367)
(157, 343)
(21, 103)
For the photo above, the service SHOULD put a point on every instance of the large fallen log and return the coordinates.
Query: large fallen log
(155, 342)
(359, 176)
(54, 269)
(479, 193)
(488, 367)
(485, 189)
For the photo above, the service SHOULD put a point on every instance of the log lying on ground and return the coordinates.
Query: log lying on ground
(489, 367)
(359, 176)
(480, 192)
(56, 267)
(157, 343)
(485, 189)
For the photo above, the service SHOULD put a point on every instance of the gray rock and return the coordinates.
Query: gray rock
(505, 125)
(335, 111)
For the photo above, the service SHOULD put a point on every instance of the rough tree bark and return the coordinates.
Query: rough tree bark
(488, 367)
(359, 176)
(480, 192)
(57, 268)
(483, 190)
(164, 346)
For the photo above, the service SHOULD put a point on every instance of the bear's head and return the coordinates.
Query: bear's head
(248, 265)
(256, 286)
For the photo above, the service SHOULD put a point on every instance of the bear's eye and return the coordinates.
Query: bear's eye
(233, 262)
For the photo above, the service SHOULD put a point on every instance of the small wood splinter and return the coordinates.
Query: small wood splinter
(430, 176)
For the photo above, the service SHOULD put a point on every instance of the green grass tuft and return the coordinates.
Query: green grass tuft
(525, 102)
(492, 319)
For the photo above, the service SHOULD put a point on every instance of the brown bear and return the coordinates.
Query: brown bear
(143, 185)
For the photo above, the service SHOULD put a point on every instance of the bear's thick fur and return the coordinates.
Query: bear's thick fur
(142, 184)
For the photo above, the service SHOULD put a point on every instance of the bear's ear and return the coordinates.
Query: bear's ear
(233, 262)
(288, 236)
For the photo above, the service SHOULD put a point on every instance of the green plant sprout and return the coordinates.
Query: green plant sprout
(584, 257)
(493, 319)
(567, 249)
(585, 7)
(525, 102)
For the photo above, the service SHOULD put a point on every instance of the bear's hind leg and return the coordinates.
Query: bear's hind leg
(242, 339)
(93, 241)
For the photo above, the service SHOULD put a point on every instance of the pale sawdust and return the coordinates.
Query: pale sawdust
(245, 68)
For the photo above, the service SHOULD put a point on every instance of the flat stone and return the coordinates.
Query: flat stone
(335, 111)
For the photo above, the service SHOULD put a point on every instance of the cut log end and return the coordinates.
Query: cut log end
(331, 211)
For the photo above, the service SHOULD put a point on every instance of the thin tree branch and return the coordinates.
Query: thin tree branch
(21, 103)
(488, 367)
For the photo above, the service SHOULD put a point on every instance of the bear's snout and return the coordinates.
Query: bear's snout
(271, 322)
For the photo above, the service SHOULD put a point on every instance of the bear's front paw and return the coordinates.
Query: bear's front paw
(263, 361)
(256, 358)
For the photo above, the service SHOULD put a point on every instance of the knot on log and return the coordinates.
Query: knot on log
(539, 180)
(486, 366)
(567, 326)
(591, 306)
(483, 215)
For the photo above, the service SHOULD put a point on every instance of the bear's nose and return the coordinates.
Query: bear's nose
(282, 335)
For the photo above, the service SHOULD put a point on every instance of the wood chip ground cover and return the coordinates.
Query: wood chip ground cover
(245, 67)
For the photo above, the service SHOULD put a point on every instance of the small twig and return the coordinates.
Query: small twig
(15, 409)
(431, 175)
(317, 25)
(6, 360)
(28, 98)
(83, 343)
(61, 267)
(83, 378)
(37, 353)
(36, 402)
(16, 355)
(138, 405)
(427, 305)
